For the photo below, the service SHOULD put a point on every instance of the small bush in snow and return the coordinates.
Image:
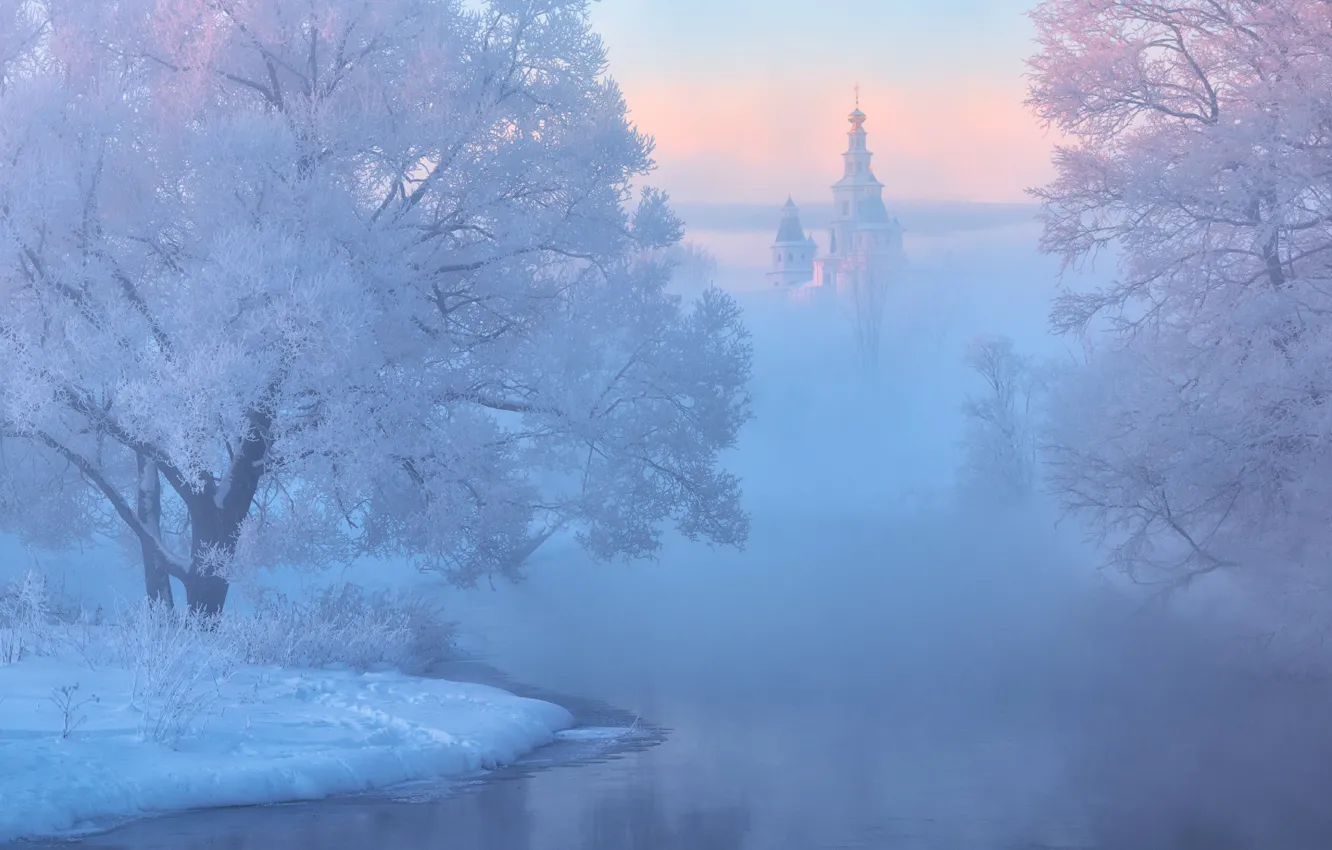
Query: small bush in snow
(25, 619)
(66, 701)
(341, 625)
(177, 660)
(85, 635)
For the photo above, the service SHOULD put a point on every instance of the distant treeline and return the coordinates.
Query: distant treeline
(926, 218)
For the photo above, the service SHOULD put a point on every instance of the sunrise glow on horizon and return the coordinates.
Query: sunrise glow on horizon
(760, 113)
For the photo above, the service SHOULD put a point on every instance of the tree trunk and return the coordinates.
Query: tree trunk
(212, 547)
(217, 513)
(533, 543)
(206, 595)
(148, 508)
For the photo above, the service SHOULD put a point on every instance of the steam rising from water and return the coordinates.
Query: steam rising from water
(886, 651)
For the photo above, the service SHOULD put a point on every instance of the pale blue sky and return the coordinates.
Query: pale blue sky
(902, 39)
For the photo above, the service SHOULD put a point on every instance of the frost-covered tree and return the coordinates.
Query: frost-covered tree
(1001, 429)
(868, 303)
(695, 267)
(288, 281)
(1198, 143)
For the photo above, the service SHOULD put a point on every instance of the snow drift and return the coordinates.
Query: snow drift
(76, 758)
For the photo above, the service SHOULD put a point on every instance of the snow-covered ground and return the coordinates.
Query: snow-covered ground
(269, 735)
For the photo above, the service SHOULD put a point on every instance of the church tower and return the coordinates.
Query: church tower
(864, 242)
(858, 196)
(862, 236)
(792, 251)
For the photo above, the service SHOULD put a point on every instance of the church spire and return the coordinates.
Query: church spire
(857, 154)
(858, 196)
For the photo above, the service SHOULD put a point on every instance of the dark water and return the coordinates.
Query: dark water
(910, 709)
(811, 772)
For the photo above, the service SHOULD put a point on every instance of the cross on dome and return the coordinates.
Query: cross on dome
(857, 117)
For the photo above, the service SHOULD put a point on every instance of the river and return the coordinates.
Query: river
(939, 702)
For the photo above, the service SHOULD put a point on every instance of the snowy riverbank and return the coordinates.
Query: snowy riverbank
(267, 735)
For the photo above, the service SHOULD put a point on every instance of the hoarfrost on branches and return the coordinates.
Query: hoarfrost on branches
(291, 281)
(1198, 141)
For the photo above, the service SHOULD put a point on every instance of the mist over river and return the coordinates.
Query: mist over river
(883, 666)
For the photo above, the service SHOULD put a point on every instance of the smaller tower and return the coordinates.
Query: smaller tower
(792, 251)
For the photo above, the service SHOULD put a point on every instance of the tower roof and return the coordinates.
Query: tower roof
(872, 211)
(866, 179)
(790, 230)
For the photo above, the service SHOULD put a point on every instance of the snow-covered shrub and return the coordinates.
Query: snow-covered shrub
(432, 637)
(25, 619)
(84, 634)
(66, 701)
(177, 658)
(341, 625)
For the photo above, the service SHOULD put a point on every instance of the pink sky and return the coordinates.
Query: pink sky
(749, 141)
